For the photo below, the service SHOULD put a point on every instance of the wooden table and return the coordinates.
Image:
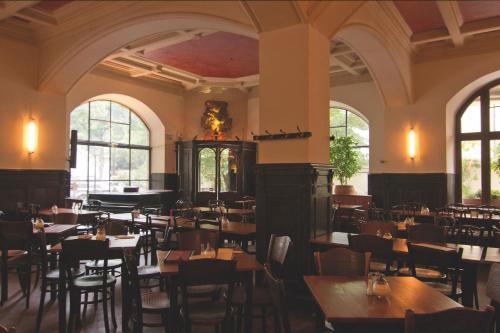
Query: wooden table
(473, 255)
(237, 211)
(344, 303)
(116, 248)
(48, 212)
(158, 221)
(245, 267)
(55, 232)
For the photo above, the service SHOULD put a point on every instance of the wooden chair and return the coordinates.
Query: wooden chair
(65, 218)
(341, 261)
(192, 239)
(217, 313)
(380, 248)
(435, 265)
(113, 265)
(493, 292)
(382, 227)
(276, 289)
(50, 278)
(427, 233)
(16, 239)
(457, 320)
(75, 250)
(70, 203)
(149, 302)
(277, 253)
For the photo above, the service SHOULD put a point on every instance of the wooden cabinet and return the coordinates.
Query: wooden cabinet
(208, 170)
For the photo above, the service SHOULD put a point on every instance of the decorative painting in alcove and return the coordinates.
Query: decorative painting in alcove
(215, 120)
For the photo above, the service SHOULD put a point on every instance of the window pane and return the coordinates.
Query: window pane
(138, 131)
(139, 164)
(337, 117)
(78, 189)
(119, 133)
(495, 109)
(79, 120)
(98, 163)
(98, 186)
(120, 158)
(207, 170)
(357, 127)
(471, 169)
(100, 110)
(471, 118)
(228, 170)
(119, 113)
(364, 153)
(117, 186)
(80, 172)
(143, 185)
(495, 168)
(99, 130)
(337, 132)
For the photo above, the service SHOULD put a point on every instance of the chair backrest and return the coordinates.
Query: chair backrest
(192, 239)
(359, 215)
(379, 247)
(342, 261)
(206, 272)
(426, 232)
(94, 205)
(277, 253)
(75, 250)
(277, 292)
(5, 329)
(70, 202)
(132, 275)
(435, 256)
(16, 235)
(42, 251)
(114, 228)
(65, 218)
(493, 285)
(457, 320)
(373, 227)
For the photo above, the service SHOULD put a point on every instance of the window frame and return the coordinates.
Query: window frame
(484, 136)
(89, 143)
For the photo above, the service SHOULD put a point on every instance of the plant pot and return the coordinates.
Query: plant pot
(344, 190)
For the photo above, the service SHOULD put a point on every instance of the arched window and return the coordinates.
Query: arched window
(113, 149)
(344, 122)
(478, 146)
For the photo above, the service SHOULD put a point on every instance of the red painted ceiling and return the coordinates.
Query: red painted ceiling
(479, 10)
(50, 6)
(420, 15)
(220, 54)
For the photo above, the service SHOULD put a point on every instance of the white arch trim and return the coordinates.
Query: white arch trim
(60, 75)
(395, 91)
(154, 124)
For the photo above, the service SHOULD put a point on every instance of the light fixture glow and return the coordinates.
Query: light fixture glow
(411, 143)
(32, 139)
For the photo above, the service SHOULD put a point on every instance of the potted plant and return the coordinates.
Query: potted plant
(346, 163)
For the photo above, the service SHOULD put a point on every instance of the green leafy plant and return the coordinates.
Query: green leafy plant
(345, 159)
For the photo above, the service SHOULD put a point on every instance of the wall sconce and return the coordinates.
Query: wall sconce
(412, 142)
(32, 138)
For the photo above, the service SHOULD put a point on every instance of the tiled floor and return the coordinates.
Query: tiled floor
(14, 313)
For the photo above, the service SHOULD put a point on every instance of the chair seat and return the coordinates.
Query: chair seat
(155, 301)
(93, 281)
(206, 312)
(53, 275)
(207, 290)
(379, 266)
(260, 296)
(423, 273)
(148, 272)
(99, 264)
(445, 289)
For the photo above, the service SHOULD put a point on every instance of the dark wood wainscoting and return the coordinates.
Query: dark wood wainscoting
(164, 181)
(295, 200)
(433, 189)
(43, 187)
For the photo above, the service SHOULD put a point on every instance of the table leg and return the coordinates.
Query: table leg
(244, 244)
(172, 320)
(469, 282)
(249, 302)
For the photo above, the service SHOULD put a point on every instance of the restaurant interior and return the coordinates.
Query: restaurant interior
(250, 166)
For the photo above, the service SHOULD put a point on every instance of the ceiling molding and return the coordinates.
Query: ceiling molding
(12, 7)
(430, 36)
(452, 17)
(482, 26)
(36, 16)
(249, 11)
